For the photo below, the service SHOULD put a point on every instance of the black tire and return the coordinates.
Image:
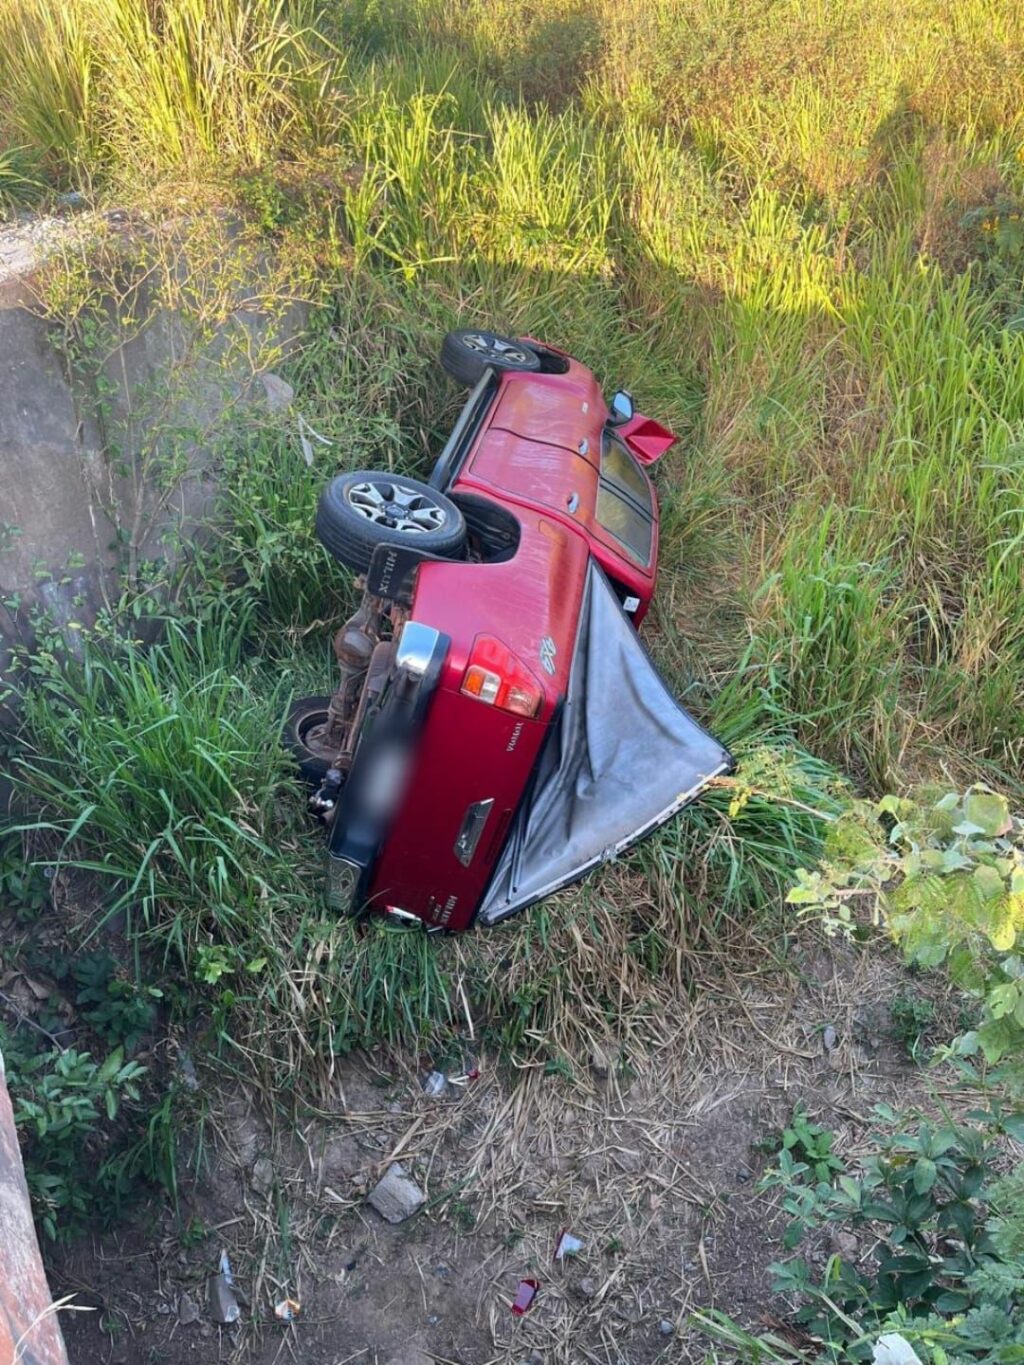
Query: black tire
(467, 353)
(351, 524)
(304, 714)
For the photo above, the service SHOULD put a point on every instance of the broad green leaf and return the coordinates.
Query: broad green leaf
(925, 1174)
(1003, 999)
(994, 1041)
(953, 1301)
(111, 1066)
(988, 883)
(1002, 931)
(850, 1188)
(989, 811)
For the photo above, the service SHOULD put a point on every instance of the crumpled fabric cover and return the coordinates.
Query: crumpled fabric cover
(622, 759)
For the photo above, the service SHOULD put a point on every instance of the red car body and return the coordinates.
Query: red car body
(541, 454)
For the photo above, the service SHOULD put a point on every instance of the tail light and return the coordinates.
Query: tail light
(496, 676)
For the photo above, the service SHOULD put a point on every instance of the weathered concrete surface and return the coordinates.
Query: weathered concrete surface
(129, 461)
(46, 521)
(29, 1331)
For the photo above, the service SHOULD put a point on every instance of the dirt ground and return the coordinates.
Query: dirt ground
(654, 1167)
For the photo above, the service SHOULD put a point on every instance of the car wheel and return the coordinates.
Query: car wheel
(466, 354)
(357, 512)
(303, 734)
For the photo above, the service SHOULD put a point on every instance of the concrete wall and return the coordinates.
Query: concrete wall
(75, 472)
(46, 520)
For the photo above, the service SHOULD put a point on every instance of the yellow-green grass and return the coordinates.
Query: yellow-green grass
(792, 229)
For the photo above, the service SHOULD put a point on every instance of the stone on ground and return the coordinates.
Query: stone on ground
(397, 1197)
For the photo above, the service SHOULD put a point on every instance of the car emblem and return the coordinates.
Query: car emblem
(547, 654)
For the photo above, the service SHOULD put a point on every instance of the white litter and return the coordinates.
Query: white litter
(892, 1349)
(305, 431)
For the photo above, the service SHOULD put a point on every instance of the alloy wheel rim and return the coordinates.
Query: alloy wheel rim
(495, 348)
(396, 507)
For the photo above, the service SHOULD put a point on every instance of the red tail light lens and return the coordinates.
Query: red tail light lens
(494, 675)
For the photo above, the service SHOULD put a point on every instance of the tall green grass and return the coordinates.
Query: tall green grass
(160, 771)
(99, 85)
(794, 231)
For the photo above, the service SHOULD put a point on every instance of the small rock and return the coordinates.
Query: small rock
(188, 1310)
(443, 1271)
(587, 1288)
(394, 1107)
(262, 1176)
(279, 392)
(397, 1197)
(743, 1173)
(163, 1308)
(830, 1038)
(602, 1063)
(666, 1328)
(433, 1320)
(846, 1244)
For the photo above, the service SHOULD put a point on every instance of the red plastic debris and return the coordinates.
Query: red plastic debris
(525, 1295)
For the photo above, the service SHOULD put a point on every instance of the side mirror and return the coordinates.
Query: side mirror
(621, 408)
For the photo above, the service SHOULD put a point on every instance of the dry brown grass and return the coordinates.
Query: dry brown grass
(653, 1168)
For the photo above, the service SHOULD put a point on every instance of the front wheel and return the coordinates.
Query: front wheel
(468, 353)
(357, 512)
(305, 731)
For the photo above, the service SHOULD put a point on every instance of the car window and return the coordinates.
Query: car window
(625, 522)
(624, 500)
(620, 469)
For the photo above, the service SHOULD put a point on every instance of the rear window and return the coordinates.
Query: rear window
(624, 500)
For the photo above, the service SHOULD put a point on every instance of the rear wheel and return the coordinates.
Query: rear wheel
(304, 733)
(469, 352)
(357, 512)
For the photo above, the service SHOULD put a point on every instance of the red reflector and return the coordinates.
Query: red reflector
(494, 675)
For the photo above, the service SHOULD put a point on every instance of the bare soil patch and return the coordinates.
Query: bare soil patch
(654, 1167)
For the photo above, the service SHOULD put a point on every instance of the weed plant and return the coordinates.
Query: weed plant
(794, 232)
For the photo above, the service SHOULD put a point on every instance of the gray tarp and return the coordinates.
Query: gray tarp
(621, 760)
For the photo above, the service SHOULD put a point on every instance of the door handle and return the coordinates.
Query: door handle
(572, 501)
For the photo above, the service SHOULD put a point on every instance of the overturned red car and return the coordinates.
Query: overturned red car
(499, 728)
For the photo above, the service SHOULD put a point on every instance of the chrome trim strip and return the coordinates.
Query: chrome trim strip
(472, 827)
(416, 646)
